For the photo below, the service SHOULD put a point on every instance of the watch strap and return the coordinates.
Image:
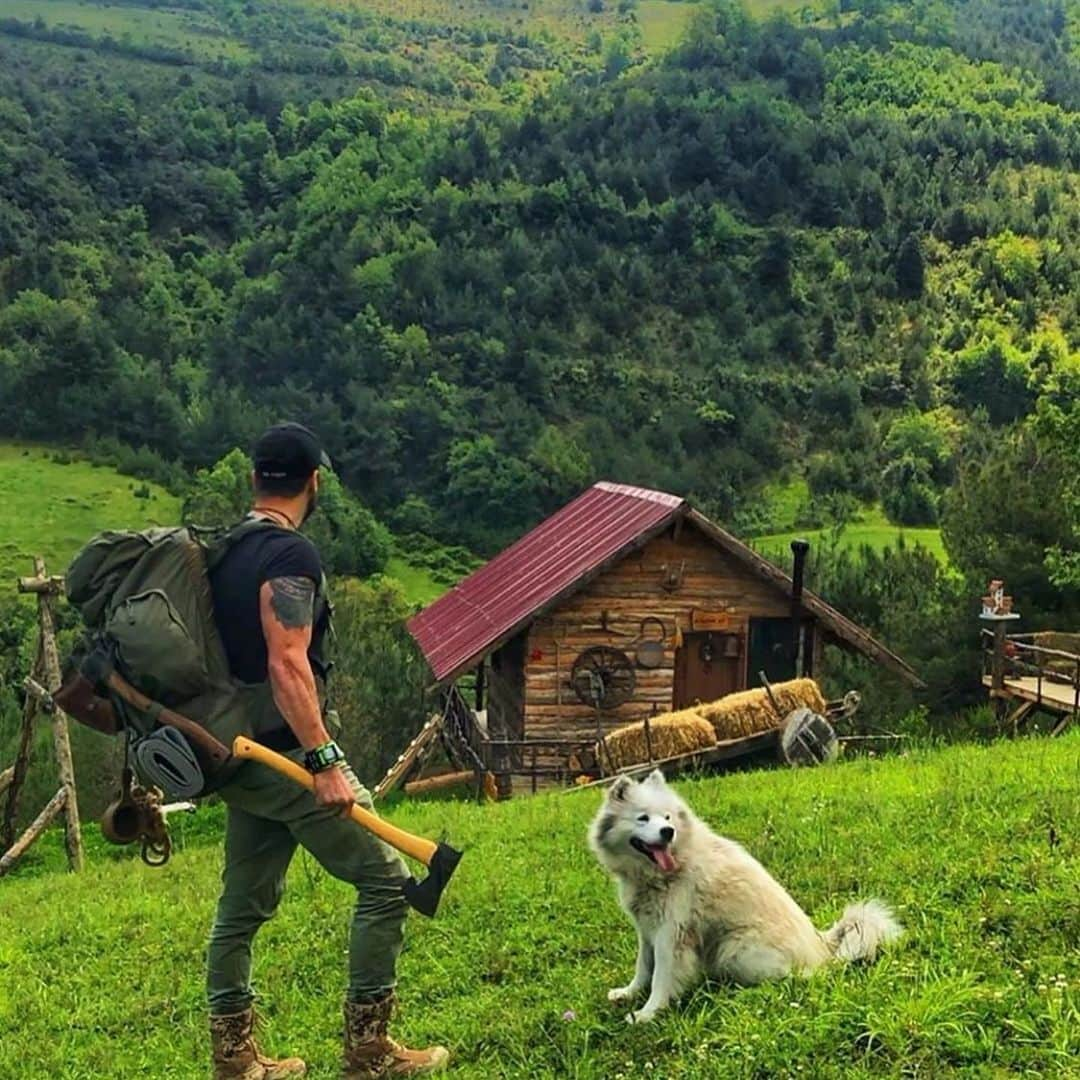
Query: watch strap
(326, 756)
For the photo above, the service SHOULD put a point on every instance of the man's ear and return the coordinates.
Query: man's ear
(618, 791)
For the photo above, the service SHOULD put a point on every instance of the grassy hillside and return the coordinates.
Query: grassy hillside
(52, 503)
(977, 847)
(663, 23)
(421, 587)
(426, 53)
(872, 529)
(788, 504)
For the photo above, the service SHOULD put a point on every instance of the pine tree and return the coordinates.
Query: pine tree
(910, 270)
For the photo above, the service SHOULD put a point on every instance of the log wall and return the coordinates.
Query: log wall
(708, 580)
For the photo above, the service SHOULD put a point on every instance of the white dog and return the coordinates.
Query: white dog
(704, 907)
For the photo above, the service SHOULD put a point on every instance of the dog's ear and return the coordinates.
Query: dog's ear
(656, 779)
(618, 791)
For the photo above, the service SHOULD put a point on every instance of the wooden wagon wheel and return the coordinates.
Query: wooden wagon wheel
(603, 677)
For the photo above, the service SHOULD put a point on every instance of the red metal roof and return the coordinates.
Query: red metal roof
(493, 603)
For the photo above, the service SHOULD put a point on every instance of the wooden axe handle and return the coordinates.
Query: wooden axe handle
(416, 847)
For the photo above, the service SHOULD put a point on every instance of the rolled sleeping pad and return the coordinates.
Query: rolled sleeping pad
(166, 760)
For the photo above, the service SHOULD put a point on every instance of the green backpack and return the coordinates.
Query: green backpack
(146, 600)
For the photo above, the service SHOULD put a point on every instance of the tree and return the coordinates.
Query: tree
(993, 374)
(907, 494)
(1010, 469)
(910, 270)
(925, 438)
(1058, 430)
(221, 495)
(490, 494)
(379, 676)
(350, 539)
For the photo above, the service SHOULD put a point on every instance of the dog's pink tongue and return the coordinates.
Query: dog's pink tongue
(663, 859)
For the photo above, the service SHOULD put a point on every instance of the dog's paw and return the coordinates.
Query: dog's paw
(622, 993)
(642, 1016)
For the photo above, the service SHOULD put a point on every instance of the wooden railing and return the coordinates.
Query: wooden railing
(1016, 655)
(536, 759)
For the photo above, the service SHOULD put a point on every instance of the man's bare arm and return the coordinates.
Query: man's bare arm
(286, 609)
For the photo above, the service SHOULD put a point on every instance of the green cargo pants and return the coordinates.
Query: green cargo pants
(268, 816)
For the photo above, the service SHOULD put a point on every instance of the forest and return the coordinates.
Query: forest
(492, 258)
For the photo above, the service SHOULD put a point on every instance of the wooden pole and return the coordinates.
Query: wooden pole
(41, 585)
(61, 742)
(997, 662)
(22, 763)
(999, 622)
(438, 783)
(5, 779)
(39, 825)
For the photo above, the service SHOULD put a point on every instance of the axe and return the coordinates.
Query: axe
(97, 670)
(440, 859)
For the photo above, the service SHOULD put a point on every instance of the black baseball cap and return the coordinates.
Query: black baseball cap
(288, 451)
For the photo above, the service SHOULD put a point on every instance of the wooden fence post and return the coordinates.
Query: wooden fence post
(19, 770)
(61, 742)
(47, 666)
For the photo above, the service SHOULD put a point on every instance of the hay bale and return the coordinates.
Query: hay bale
(749, 711)
(670, 734)
(1059, 640)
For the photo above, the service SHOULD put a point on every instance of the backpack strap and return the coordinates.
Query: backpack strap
(217, 542)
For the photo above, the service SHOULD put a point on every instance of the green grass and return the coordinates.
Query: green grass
(52, 509)
(763, 8)
(420, 587)
(978, 848)
(197, 33)
(663, 23)
(873, 529)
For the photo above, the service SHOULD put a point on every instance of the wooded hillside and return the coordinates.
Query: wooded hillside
(833, 243)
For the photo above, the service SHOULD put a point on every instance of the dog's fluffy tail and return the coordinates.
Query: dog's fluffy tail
(862, 931)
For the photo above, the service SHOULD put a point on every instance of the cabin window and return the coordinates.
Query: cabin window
(773, 649)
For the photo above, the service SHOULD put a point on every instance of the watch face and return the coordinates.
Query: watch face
(324, 757)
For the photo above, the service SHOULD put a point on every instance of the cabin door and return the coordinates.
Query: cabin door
(704, 671)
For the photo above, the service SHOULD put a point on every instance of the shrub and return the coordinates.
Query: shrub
(379, 680)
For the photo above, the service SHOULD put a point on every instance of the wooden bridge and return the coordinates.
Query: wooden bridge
(1034, 672)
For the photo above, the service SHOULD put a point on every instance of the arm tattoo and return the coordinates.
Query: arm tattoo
(292, 600)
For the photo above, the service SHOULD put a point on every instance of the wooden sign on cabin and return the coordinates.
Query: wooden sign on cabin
(712, 620)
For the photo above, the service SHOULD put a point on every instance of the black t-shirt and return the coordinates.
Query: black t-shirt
(266, 553)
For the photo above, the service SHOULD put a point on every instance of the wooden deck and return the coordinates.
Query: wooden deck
(1058, 697)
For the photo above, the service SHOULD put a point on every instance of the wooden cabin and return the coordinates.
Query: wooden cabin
(624, 604)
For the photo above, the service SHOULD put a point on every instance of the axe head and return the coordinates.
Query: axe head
(424, 895)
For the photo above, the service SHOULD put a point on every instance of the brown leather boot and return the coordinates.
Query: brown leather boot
(237, 1055)
(370, 1053)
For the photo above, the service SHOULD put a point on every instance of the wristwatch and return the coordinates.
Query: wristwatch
(324, 757)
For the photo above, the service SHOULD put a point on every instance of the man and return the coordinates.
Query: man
(272, 614)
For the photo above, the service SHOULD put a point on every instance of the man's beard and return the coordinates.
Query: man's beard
(312, 505)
